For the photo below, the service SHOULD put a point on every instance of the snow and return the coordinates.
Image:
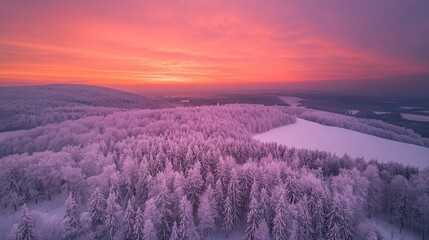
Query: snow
(353, 112)
(409, 107)
(311, 135)
(185, 101)
(4, 135)
(391, 231)
(415, 117)
(292, 101)
(53, 209)
(237, 233)
(379, 112)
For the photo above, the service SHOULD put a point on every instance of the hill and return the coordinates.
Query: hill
(25, 107)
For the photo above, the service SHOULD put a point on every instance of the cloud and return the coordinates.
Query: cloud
(211, 41)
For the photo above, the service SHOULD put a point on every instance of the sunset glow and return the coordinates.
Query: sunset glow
(145, 42)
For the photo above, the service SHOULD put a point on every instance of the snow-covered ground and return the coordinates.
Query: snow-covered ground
(390, 231)
(415, 117)
(292, 101)
(409, 107)
(380, 112)
(311, 135)
(54, 209)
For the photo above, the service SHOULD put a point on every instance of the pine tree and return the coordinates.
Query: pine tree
(25, 230)
(262, 232)
(253, 216)
(138, 228)
(163, 202)
(232, 203)
(220, 198)
(265, 205)
(149, 231)
(304, 220)
(403, 208)
(194, 184)
(207, 212)
(228, 223)
(71, 223)
(129, 221)
(280, 229)
(112, 214)
(97, 206)
(187, 228)
(340, 224)
(318, 215)
(174, 232)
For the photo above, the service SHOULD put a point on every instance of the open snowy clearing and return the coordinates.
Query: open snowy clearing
(292, 101)
(53, 210)
(379, 112)
(415, 117)
(311, 135)
(391, 231)
(409, 107)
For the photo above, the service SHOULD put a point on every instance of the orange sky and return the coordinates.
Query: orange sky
(140, 42)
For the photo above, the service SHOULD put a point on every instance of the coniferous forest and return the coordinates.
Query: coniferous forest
(196, 173)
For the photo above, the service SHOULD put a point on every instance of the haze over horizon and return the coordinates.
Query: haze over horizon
(174, 43)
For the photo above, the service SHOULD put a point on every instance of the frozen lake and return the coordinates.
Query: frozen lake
(311, 135)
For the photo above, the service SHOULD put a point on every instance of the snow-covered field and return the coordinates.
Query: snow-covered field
(311, 135)
(380, 112)
(409, 107)
(292, 101)
(415, 117)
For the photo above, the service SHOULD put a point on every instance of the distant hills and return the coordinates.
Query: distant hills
(24, 107)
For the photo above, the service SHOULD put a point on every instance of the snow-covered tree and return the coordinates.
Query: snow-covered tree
(253, 216)
(281, 218)
(163, 202)
(112, 215)
(129, 216)
(97, 207)
(220, 198)
(187, 229)
(264, 203)
(207, 212)
(194, 184)
(373, 199)
(149, 231)
(174, 232)
(262, 232)
(305, 228)
(232, 203)
(25, 227)
(71, 222)
(138, 228)
(340, 222)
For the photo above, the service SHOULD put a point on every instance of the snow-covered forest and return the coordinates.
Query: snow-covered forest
(369, 126)
(196, 173)
(25, 107)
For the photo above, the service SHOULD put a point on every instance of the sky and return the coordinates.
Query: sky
(106, 42)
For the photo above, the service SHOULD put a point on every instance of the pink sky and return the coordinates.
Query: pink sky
(107, 42)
